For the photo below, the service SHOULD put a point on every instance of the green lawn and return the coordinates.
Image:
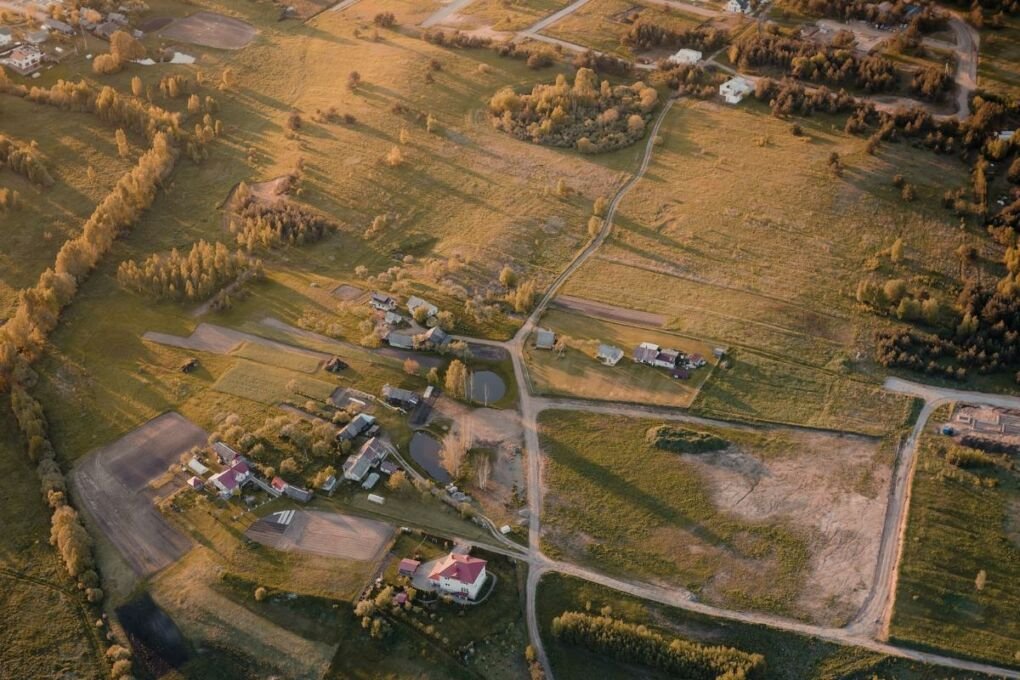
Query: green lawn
(576, 372)
(292, 361)
(961, 522)
(787, 656)
(616, 503)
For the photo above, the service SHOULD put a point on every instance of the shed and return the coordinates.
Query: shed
(373, 498)
(371, 481)
(407, 566)
(686, 56)
(195, 466)
(609, 355)
(196, 483)
(544, 339)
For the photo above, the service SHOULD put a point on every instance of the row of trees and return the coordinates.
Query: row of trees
(646, 35)
(588, 115)
(123, 48)
(787, 97)
(810, 61)
(196, 275)
(25, 160)
(923, 14)
(632, 643)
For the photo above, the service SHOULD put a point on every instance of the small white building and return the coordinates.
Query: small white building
(686, 56)
(609, 355)
(735, 89)
(382, 302)
(6, 36)
(458, 575)
(544, 339)
(195, 466)
(739, 6)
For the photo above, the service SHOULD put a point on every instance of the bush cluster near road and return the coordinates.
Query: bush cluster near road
(587, 115)
(682, 440)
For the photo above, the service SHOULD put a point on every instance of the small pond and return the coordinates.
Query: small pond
(486, 387)
(426, 451)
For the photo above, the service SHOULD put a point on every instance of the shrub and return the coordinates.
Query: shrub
(683, 440)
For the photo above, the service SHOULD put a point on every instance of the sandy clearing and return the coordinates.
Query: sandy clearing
(328, 534)
(813, 487)
(211, 30)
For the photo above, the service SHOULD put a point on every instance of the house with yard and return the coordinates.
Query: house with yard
(609, 355)
(58, 26)
(652, 355)
(458, 575)
(735, 89)
(399, 397)
(360, 424)
(544, 339)
(230, 481)
(415, 302)
(224, 453)
(433, 337)
(686, 56)
(393, 319)
(382, 302)
(24, 60)
(371, 453)
(400, 340)
(6, 36)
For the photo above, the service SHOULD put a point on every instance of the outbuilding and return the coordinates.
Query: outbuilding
(544, 339)
(735, 89)
(686, 57)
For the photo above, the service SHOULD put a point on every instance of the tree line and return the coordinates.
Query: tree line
(196, 275)
(25, 160)
(632, 643)
(807, 60)
(645, 35)
(590, 116)
(924, 14)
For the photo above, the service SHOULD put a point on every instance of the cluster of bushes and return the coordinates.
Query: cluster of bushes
(692, 80)
(123, 48)
(261, 224)
(438, 36)
(683, 440)
(603, 63)
(970, 458)
(536, 56)
(39, 306)
(200, 273)
(788, 97)
(813, 62)
(929, 18)
(894, 297)
(631, 643)
(586, 115)
(974, 441)
(931, 83)
(646, 35)
(67, 533)
(25, 160)
(921, 352)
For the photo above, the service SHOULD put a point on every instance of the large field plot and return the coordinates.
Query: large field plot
(269, 384)
(510, 15)
(999, 65)
(741, 527)
(577, 373)
(787, 656)
(600, 24)
(70, 143)
(960, 527)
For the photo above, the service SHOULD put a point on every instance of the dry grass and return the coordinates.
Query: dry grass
(577, 373)
(510, 15)
(292, 361)
(600, 25)
(270, 384)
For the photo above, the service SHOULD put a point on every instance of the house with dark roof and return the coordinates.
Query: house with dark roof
(360, 424)
(224, 453)
(458, 575)
(368, 456)
(544, 339)
(433, 337)
(400, 340)
(653, 355)
(230, 481)
(382, 302)
(397, 396)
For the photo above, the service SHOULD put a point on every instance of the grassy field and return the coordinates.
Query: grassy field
(70, 143)
(42, 633)
(787, 656)
(576, 373)
(293, 361)
(1000, 54)
(960, 526)
(600, 26)
(617, 503)
(511, 15)
(270, 384)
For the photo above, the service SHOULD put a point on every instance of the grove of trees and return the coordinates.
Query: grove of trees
(196, 275)
(25, 160)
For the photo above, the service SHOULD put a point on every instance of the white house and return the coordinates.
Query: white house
(414, 302)
(651, 354)
(458, 575)
(686, 56)
(195, 466)
(230, 481)
(382, 302)
(739, 6)
(6, 37)
(609, 355)
(735, 89)
(24, 60)
(368, 456)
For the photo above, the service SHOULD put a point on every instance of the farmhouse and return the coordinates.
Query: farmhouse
(58, 26)
(686, 56)
(609, 355)
(434, 337)
(6, 37)
(735, 89)
(396, 396)
(544, 339)
(415, 302)
(230, 481)
(393, 319)
(739, 6)
(400, 340)
(359, 424)
(458, 575)
(382, 302)
(24, 60)
(653, 355)
(368, 456)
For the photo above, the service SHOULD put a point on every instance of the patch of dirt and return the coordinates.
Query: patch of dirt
(347, 292)
(500, 431)
(211, 30)
(601, 310)
(154, 24)
(812, 488)
(323, 533)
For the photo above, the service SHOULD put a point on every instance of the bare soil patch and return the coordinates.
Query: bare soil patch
(211, 30)
(323, 533)
(154, 24)
(347, 292)
(814, 487)
(601, 310)
(113, 485)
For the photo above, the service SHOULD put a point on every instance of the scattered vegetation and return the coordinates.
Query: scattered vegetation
(683, 440)
(203, 271)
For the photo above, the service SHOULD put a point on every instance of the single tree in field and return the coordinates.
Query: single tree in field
(508, 277)
(125, 47)
(456, 379)
(123, 149)
(353, 80)
(896, 251)
(981, 580)
(395, 157)
(967, 255)
(411, 367)
(136, 86)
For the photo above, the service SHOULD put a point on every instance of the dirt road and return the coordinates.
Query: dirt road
(445, 12)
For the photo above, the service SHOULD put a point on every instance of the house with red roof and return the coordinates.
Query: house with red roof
(458, 575)
(230, 481)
